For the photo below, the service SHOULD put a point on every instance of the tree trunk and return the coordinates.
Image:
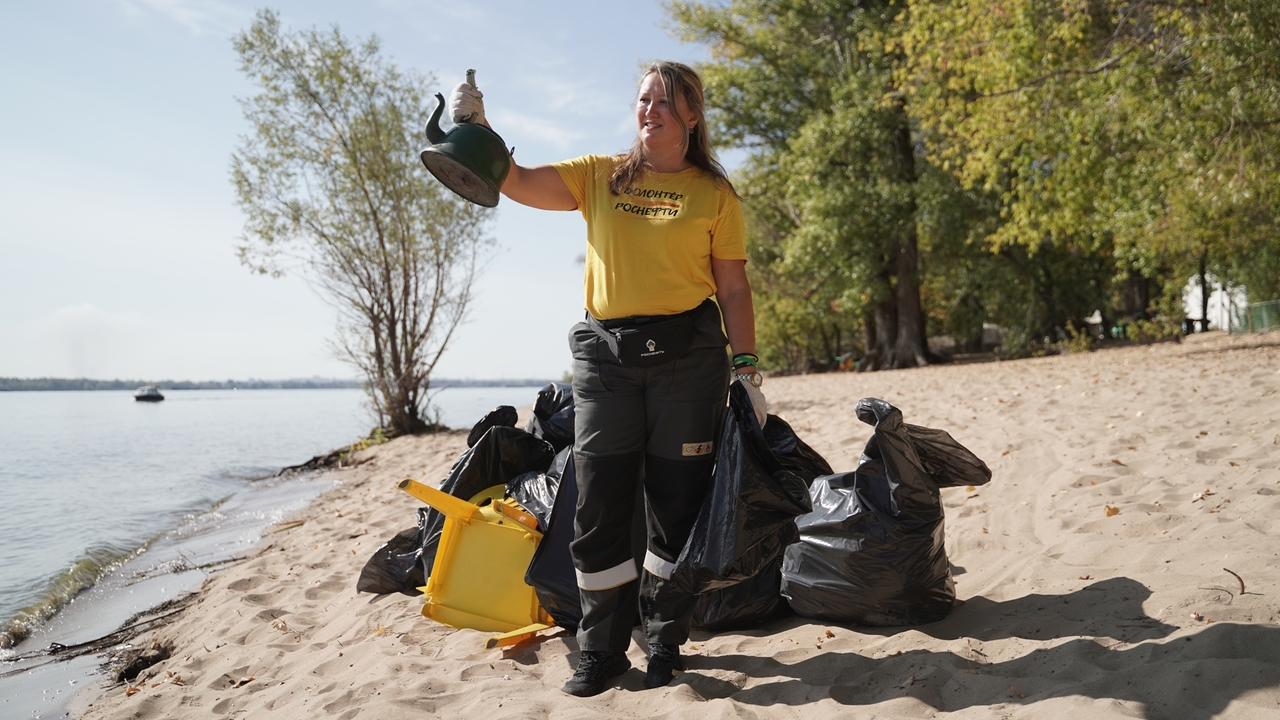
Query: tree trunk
(1204, 292)
(885, 327)
(909, 349)
(1136, 294)
(972, 341)
(868, 330)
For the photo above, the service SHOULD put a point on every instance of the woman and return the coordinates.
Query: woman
(650, 375)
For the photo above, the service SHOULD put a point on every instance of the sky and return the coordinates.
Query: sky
(118, 222)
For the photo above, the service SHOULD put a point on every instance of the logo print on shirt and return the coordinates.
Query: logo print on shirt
(696, 449)
(659, 204)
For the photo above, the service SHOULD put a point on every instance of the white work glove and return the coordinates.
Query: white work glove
(758, 403)
(466, 103)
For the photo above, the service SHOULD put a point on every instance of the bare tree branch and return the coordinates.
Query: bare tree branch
(331, 170)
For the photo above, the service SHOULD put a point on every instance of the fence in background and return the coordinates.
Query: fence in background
(1255, 317)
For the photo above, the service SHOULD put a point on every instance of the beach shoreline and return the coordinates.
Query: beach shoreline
(1092, 570)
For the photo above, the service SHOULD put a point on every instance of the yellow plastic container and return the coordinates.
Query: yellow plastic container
(477, 580)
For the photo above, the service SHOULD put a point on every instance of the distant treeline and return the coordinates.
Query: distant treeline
(7, 383)
(250, 384)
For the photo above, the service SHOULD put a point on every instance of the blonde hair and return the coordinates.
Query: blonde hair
(682, 79)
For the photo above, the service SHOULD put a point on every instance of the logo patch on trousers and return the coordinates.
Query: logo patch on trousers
(695, 449)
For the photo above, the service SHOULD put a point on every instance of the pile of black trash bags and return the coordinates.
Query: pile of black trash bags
(778, 533)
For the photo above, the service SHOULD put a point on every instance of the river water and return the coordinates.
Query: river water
(110, 506)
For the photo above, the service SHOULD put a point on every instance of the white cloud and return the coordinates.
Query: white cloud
(438, 12)
(518, 126)
(198, 16)
(580, 98)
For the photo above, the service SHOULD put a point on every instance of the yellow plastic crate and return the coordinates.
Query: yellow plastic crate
(477, 580)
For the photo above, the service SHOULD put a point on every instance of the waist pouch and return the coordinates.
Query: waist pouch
(650, 341)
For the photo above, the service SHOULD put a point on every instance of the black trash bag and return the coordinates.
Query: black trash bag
(949, 463)
(871, 552)
(552, 418)
(747, 604)
(793, 453)
(748, 516)
(397, 565)
(536, 491)
(501, 454)
(758, 599)
(550, 570)
(501, 416)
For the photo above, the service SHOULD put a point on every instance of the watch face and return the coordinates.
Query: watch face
(754, 378)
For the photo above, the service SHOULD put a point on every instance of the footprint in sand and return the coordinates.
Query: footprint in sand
(245, 584)
(1090, 481)
(229, 680)
(343, 706)
(485, 670)
(1211, 454)
(324, 590)
(327, 689)
(271, 614)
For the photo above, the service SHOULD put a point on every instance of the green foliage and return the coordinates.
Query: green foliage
(375, 437)
(330, 184)
(1079, 341)
(1019, 342)
(831, 185)
(1157, 330)
(1147, 126)
(1062, 158)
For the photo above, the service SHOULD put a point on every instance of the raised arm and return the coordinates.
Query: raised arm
(539, 187)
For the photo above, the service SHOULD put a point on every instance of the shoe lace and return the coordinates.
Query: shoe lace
(590, 663)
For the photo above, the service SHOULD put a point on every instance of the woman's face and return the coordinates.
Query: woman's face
(656, 124)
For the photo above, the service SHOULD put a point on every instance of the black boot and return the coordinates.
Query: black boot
(664, 661)
(595, 670)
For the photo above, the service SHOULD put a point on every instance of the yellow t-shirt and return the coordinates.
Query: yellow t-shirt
(649, 250)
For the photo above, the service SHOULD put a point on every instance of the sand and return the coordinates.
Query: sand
(1091, 571)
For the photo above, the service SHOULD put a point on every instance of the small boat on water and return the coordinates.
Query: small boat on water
(148, 393)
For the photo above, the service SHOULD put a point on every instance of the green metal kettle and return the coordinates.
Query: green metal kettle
(470, 160)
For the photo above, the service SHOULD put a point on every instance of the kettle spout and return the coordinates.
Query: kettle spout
(434, 133)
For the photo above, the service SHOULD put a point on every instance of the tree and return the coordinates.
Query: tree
(932, 165)
(330, 183)
(810, 88)
(1142, 130)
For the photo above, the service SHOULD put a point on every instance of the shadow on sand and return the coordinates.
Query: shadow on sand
(1193, 677)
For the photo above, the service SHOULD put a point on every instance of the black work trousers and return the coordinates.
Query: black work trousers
(663, 422)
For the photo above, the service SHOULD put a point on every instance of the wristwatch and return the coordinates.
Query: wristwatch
(754, 378)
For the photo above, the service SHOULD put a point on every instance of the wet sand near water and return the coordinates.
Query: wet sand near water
(1093, 570)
